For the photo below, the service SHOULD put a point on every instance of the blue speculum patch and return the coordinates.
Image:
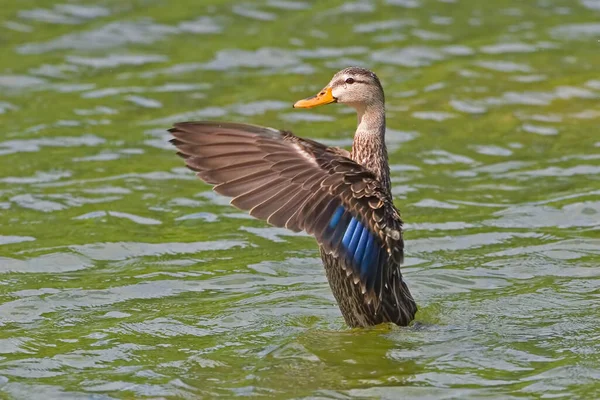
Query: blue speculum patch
(358, 243)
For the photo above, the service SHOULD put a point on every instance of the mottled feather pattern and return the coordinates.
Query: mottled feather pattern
(301, 184)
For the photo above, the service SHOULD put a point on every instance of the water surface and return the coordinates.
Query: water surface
(122, 276)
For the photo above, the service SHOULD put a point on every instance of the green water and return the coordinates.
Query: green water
(122, 276)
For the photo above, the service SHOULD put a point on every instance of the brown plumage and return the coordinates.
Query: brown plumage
(343, 199)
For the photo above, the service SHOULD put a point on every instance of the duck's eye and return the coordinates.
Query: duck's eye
(350, 81)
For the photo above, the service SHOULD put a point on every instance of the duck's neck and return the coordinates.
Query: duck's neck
(369, 148)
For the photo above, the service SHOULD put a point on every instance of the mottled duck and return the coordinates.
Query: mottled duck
(341, 198)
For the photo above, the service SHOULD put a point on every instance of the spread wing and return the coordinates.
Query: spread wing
(301, 184)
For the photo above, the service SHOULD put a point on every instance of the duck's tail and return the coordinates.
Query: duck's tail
(397, 304)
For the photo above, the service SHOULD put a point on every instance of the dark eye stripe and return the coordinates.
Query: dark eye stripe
(343, 82)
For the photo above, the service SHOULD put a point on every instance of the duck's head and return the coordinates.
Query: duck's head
(357, 87)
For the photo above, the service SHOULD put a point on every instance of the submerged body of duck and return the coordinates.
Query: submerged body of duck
(341, 198)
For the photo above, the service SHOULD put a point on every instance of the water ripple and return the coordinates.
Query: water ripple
(123, 276)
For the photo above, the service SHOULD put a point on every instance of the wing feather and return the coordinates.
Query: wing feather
(301, 184)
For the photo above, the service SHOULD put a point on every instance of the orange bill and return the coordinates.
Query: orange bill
(324, 97)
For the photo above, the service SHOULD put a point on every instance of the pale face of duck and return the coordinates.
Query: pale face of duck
(356, 87)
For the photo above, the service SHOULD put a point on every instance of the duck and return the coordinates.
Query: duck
(342, 198)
